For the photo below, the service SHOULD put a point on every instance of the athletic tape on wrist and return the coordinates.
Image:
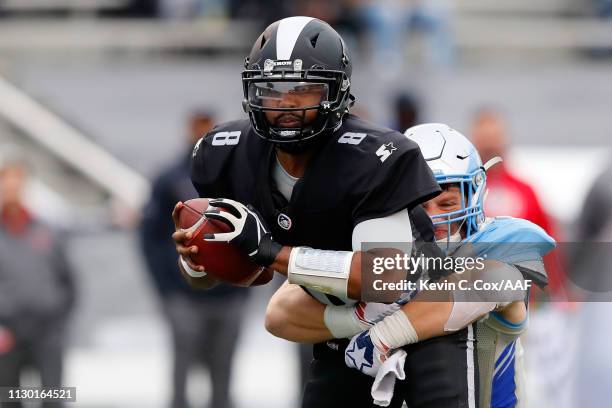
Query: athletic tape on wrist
(342, 322)
(191, 272)
(325, 271)
(393, 331)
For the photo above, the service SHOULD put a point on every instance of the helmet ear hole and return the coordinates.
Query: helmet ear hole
(313, 40)
(345, 60)
(263, 41)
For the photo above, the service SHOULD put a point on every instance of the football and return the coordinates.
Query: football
(221, 260)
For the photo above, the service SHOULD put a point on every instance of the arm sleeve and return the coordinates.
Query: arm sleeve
(394, 230)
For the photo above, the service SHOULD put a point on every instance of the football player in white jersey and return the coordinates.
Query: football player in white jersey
(514, 250)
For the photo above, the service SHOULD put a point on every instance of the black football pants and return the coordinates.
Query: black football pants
(440, 373)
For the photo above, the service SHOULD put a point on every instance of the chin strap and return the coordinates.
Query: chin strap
(352, 100)
(492, 162)
(456, 237)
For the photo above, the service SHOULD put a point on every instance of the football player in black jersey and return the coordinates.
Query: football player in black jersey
(304, 184)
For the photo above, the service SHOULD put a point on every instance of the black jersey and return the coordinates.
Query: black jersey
(362, 172)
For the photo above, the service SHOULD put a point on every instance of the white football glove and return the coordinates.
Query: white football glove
(364, 355)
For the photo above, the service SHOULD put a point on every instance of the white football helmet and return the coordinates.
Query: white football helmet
(453, 159)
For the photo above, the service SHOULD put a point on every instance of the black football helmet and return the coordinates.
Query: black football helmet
(298, 65)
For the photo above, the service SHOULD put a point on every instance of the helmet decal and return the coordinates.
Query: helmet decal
(289, 30)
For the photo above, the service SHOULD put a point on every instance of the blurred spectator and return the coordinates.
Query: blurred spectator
(37, 289)
(188, 9)
(205, 324)
(407, 110)
(510, 196)
(593, 264)
(391, 21)
(602, 8)
(138, 8)
(265, 12)
(595, 221)
(590, 246)
(329, 11)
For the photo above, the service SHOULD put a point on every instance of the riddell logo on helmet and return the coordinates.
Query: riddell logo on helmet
(270, 64)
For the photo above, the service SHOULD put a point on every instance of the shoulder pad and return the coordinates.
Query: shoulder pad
(228, 134)
(370, 142)
(380, 169)
(211, 155)
(516, 240)
(237, 128)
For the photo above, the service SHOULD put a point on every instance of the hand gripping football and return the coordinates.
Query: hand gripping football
(223, 261)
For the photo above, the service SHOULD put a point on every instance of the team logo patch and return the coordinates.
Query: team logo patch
(385, 150)
(284, 221)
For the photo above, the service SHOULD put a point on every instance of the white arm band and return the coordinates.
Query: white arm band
(191, 272)
(465, 311)
(325, 271)
(393, 331)
(392, 231)
(470, 306)
(342, 322)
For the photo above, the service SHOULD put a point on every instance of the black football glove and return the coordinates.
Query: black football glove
(249, 232)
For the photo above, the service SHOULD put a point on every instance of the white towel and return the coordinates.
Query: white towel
(391, 369)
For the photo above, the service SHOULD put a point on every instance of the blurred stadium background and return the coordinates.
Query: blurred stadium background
(97, 94)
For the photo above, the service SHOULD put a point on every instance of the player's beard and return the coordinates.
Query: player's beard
(297, 147)
(289, 117)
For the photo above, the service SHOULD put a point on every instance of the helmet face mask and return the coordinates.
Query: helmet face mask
(469, 217)
(272, 85)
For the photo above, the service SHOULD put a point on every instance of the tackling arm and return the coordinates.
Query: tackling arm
(294, 315)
